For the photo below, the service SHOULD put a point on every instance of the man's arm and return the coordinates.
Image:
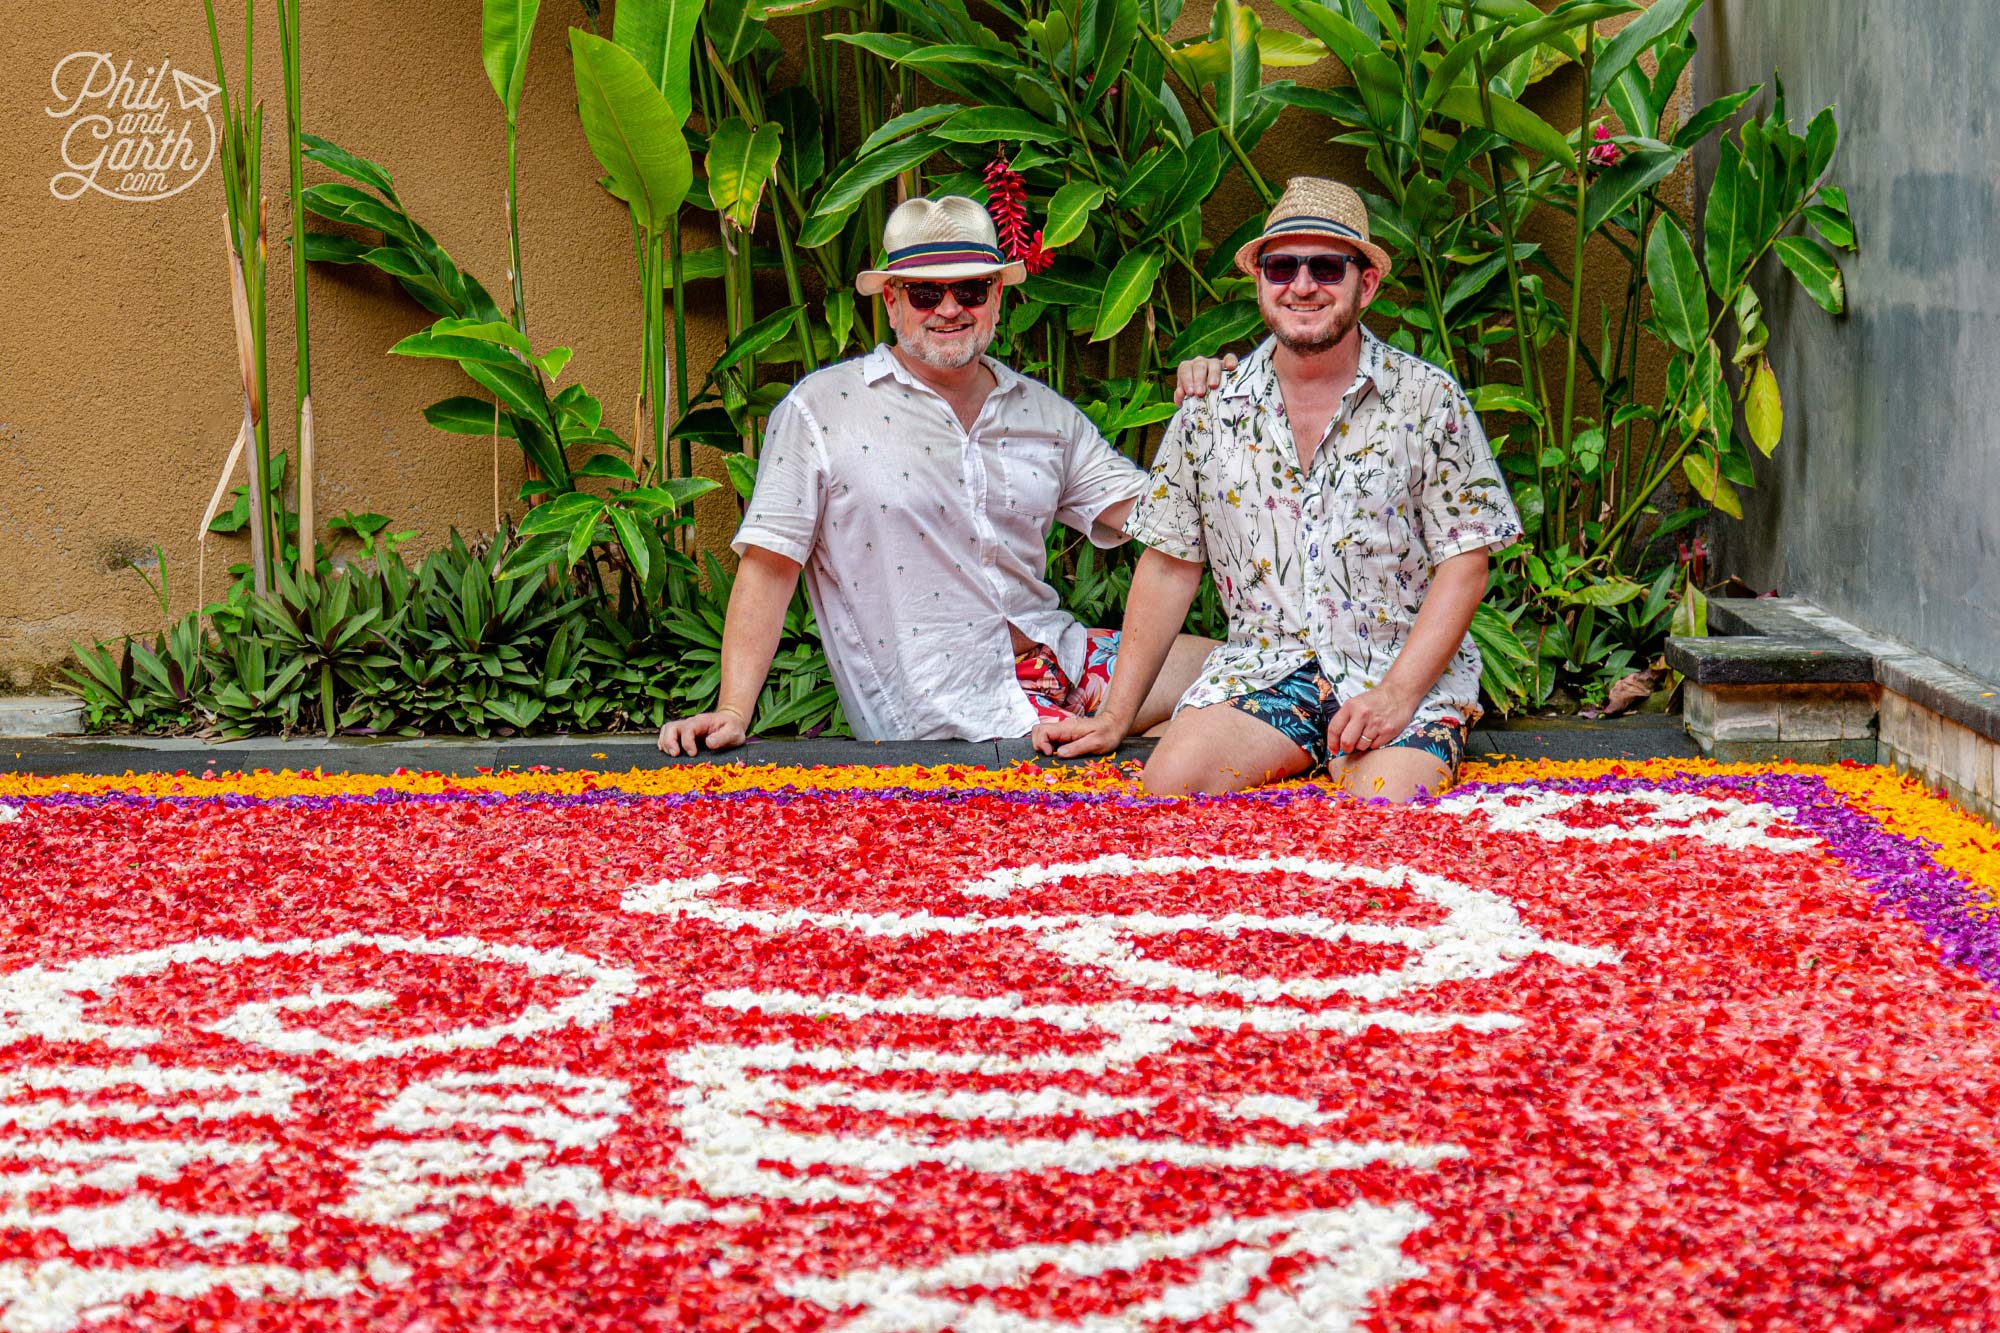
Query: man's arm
(765, 581)
(1376, 717)
(1163, 588)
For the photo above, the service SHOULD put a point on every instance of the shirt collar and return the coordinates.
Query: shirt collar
(882, 363)
(1256, 368)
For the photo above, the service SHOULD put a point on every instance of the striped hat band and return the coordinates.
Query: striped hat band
(943, 252)
(1319, 226)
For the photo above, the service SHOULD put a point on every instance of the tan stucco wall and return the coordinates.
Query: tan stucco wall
(118, 392)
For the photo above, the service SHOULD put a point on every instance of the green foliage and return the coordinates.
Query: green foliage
(1122, 141)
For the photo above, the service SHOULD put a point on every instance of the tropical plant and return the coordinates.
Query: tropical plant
(243, 195)
(622, 525)
(1500, 218)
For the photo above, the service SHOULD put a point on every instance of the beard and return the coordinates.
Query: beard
(919, 343)
(1345, 317)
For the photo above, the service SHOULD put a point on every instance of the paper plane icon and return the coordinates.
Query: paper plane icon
(193, 92)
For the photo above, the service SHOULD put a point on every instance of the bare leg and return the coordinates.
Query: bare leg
(1184, 661)
(1394, 773)
(1219, 749)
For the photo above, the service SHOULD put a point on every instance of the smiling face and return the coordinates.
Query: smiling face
(952, 336)
(1305, 315)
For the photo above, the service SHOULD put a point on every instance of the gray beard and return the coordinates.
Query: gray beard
(919, 346)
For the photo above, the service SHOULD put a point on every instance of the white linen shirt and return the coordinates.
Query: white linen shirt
(922, 541)
(1328, 564)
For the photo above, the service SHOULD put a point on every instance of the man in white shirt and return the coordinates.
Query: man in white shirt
(915, 488)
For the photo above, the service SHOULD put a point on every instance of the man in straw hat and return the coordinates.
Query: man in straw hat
(916, 487)
(1345, 498)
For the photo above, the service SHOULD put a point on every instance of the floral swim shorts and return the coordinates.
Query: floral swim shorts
(1054, 694)
(1303, 704)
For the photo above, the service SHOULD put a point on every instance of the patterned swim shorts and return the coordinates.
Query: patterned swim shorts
(1054, 694)
(1303, 704)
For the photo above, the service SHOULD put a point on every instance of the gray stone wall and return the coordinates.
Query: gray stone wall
(1882, 503)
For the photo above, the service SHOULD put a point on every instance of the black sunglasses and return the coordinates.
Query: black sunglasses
(1326, 270)
(970, 293)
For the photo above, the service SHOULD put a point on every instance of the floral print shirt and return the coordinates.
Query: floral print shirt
(1327, 564)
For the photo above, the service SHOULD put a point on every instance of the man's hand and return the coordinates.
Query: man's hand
(1074, 737)
(1369, 721)
(724, 729)
(1199, 374)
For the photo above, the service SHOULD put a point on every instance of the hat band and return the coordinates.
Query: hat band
(944, 252)
(1313, 224)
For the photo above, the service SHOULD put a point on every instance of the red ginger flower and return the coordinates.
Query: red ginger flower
(1007, 202)
(1604, 153)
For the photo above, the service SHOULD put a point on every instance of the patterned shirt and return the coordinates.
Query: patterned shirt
(1329, 564)
(922, 541)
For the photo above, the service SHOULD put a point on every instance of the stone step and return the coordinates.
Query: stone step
(1781, 678)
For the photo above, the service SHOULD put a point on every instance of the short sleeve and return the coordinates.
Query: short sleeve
(1096, 477)
(1168, 514)
(1464, 505)
(784, 511)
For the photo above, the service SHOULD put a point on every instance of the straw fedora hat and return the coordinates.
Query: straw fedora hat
(1322, 209)
(948, 237)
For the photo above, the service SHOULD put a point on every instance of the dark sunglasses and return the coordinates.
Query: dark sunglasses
(1326, 270)
(970, 293)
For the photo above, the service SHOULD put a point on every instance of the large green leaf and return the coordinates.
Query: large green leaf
(739, 165)
(335, 158)
(733, 26)
(1680, 302)
(1069, 210)
(469, 416)
(908, 123)
(1197, 182)
(1215, 329)
(1764, 408)
(1816, 271)
(1130, 286)
(1725, 231)
(631, 129)
(505, 27)
(1510, 118)
(846, 192)
(1717, 113)
(1117, 31)
(1618, 54)
(763, 334)
(660, 36)
(1346, 40)
(1241, 79)
(1616, 187)
(1715, 489)
(984, 124)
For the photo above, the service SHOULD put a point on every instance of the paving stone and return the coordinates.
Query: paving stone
(28, 715)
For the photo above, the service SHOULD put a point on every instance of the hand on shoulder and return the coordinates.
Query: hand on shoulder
(1197, 375)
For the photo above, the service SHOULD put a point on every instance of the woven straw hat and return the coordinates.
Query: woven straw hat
(948, 237)
(1322, 209)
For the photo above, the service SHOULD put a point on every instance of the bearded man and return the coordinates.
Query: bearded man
(1345, 499)
(916, 487)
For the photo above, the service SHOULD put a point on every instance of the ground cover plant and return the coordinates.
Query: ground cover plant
(1511, 155)
(1575, 1047)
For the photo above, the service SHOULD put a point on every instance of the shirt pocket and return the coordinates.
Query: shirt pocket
(1031, 473)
